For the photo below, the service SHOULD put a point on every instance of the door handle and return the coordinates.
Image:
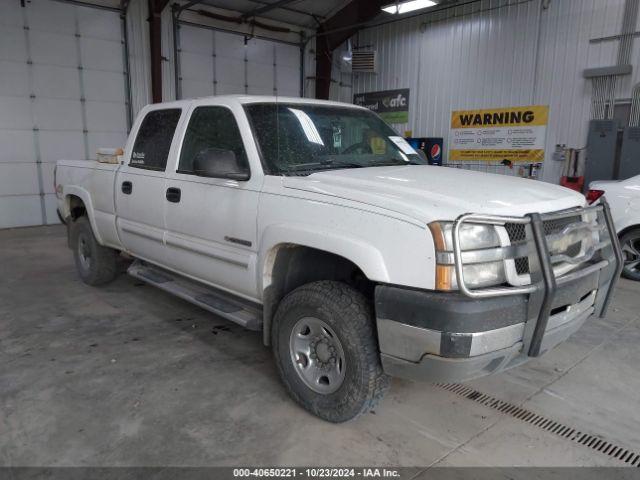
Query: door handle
(127, 188)
(173, 194)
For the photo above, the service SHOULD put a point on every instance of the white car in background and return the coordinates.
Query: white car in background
(624, 201)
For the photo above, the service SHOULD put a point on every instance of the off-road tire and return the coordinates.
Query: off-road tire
(624, 240)
(102, 267)
(349, 314)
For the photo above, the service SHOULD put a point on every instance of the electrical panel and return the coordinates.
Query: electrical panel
(601, 150)
(630, 153)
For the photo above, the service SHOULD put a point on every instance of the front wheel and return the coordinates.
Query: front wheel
(325, 346)
(630, 244)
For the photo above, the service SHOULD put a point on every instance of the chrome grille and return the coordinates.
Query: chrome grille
(574, 249)
(518, 234)
(587, 233)
(522, 265)
(516, 231)
(556, 225)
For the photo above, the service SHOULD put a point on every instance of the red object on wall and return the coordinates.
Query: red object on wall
(574, 183)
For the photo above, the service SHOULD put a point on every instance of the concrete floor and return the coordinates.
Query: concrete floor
(129, 375)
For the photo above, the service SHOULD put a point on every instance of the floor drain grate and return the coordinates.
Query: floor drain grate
(592, 441)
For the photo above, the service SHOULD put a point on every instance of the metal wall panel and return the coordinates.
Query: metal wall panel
(62, 95)
(309, 70)
(287, 59)
(168, 52)
(139, 58)
(288, 74)
(565, 51)
(214, 62)
(496, 53)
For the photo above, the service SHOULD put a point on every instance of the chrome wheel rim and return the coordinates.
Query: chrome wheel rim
(84, 252)
(317, 355)
(631, 253)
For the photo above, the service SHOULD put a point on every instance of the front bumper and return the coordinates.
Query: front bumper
(449, 337)
(437, 337)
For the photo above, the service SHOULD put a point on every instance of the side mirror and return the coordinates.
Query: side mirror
(219, 163)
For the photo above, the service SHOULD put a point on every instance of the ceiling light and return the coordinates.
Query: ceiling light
(408, 6)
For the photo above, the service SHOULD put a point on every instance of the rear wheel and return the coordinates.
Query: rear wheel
(96, 264)
(630, 243)
(325, 346)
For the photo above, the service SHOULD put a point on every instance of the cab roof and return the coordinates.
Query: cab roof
(247, 99)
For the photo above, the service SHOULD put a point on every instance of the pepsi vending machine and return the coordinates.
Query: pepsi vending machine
(431, 146)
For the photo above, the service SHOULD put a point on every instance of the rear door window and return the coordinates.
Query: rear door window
(151, 148)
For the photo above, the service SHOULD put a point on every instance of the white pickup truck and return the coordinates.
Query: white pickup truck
(315, 223)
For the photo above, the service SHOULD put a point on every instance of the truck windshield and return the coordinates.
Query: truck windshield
(299, 139)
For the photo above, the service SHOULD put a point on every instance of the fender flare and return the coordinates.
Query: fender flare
(86, 199)
(357, 250)
(629, 226)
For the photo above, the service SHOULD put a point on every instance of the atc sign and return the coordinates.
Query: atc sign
(391, 105)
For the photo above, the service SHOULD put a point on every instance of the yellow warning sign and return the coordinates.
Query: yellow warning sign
(516, 134)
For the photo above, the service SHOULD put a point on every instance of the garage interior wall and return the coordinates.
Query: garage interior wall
(139, 59)
(213, 60)
(497, 53)
(63, 94)
(65, 90)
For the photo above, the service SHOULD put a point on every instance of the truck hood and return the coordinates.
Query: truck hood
(429, 193)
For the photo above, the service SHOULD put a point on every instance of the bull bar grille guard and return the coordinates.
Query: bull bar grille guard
(544, 282)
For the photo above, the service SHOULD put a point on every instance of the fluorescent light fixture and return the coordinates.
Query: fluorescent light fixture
(308, 127)
(408, 6)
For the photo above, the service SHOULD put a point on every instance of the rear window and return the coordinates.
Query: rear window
(151, 148)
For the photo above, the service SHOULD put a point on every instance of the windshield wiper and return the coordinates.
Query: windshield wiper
(348, 164)
(324, 165)
(396, 162)
(328, 164)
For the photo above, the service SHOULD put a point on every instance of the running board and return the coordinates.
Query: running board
(211, 299)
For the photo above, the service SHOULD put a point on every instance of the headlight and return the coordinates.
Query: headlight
(591, 217)
(472, 237)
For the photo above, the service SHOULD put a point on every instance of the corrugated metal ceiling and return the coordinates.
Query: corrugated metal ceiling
(305, 13)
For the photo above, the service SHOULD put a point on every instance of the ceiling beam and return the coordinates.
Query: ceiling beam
(181, 8)
(266, 8)
(335, 31)
(289, 9)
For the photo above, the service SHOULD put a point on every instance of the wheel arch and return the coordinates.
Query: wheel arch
(77, 202)
(285, 267)
(628, 229)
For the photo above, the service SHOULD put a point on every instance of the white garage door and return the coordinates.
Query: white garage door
(212, 62)
(62, 95)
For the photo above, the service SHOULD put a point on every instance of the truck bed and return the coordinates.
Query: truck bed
(94, 183)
